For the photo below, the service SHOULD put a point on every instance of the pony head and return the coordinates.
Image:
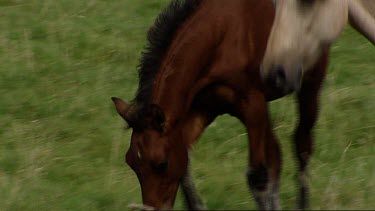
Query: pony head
(302, 29)
(158, 157)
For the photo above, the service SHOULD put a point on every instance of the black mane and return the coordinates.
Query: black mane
(159, 37)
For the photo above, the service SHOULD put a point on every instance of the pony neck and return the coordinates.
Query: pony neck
(177, 79)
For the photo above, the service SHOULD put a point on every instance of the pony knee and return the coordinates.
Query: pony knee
(258, 178)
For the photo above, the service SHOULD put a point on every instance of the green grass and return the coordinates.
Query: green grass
(62, 144)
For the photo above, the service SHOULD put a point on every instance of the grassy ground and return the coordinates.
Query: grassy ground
(62, 145)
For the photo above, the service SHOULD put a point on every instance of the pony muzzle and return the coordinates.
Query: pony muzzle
(142, 207)
(278, 78)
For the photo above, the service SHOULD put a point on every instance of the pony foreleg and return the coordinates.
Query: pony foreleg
(267, 196)
(303, 138)
(264, 163)
(274, 162)
(193, 127)
(308, 105)
(192, 199)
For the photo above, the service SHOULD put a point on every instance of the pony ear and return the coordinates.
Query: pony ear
(121, 106)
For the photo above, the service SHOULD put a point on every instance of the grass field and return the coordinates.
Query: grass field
(62, 144)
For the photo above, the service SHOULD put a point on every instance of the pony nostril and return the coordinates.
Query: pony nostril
(277, 77)
(280, 77)
(280, 72)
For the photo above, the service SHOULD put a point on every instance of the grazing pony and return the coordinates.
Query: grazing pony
(202, 60)
(303, 30)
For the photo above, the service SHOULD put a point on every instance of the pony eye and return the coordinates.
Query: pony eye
(160, 167)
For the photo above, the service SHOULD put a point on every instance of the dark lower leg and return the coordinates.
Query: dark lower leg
(258, 180)
(264, 188)
(192, 127)
(274, 163)
(192, 199)
(264, 180)
(303, 144)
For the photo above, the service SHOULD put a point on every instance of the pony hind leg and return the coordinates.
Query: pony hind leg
(264, 160)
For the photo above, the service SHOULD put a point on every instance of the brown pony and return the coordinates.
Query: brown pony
(203, 60)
